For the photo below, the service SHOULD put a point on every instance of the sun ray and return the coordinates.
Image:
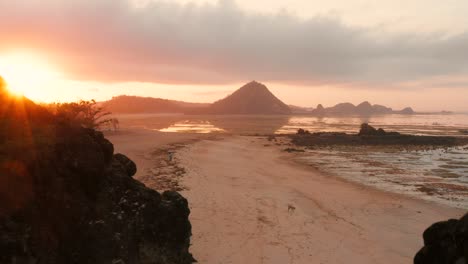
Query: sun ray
(26, 73)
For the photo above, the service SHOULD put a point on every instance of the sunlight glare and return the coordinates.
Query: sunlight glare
(26, 74)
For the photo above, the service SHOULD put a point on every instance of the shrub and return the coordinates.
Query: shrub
(83, 113)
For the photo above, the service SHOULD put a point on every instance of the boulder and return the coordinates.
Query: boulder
(445, 243)
(129, 166)
(368, 130)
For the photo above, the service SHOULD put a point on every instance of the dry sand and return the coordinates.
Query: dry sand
(239, 191)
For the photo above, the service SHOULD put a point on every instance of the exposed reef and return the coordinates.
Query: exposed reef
(369, 135)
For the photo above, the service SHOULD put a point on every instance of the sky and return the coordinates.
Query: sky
(392, 52)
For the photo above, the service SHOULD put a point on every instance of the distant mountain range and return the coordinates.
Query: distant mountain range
(364, 108)
(253, 98)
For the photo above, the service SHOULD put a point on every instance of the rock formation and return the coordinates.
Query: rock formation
(66, 198)
(445, 243)
(369, 135)
(368, 130)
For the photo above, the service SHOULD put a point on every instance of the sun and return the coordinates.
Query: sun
(26, 73)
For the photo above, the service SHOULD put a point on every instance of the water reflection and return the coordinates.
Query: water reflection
(193, 126)
(414, 124)
(250, 124)
(241, 125)
(439, 175)
(411, 124)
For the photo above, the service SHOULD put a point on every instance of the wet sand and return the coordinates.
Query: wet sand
(239, 191)
(150, 150)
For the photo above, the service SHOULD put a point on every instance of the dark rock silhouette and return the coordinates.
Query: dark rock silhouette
(368, 130)
(369, 135)
(128, 165)
(301, 131)
(252, 98)
(445, 243)
(66, 198)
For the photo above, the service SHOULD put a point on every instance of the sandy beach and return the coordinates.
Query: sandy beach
(239, 190)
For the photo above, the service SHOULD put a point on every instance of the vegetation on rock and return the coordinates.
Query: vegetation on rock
(66, 198)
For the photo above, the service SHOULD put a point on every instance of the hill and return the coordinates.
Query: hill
(136, 105)
(364, 108)
(251, 99)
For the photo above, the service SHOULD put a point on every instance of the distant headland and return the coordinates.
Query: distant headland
(253, 98)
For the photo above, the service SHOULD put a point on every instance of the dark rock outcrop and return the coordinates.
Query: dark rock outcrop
(66, 198)
(445, 243)
(129, 166)
(301, 131)
(369, 135)
(368, 130)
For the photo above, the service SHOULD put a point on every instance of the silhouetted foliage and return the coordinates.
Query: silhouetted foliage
(60, 186)
(84, 113)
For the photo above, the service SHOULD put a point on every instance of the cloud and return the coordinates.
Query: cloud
(169, 42)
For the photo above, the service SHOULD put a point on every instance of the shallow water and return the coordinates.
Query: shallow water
(411, 124)
(414, 124)
(439, 175)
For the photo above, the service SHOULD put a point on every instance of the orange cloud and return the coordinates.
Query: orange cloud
(167, 42)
